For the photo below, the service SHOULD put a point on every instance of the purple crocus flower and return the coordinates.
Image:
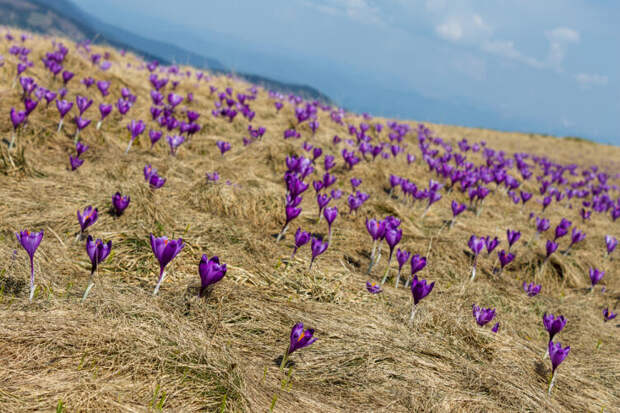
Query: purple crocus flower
(165, 250)
(63, 107)
(542, 224)
(318, 247)
(355, 182)
(531, 289)
(174, 142)
(457, 209)
(300, 338)
(392, 237)
(87, 218)
(291, 214)
(120, 203)
(557, 354)
(330, 214)
(80, 124)
(419, 290)
(103, 86)
(610, 243)
(154, 136)
(301, 239)
(476, 245)
(608, 315)
(67, 76)
(104, 110)
(75, 162)
(596, 276)
(373, 288)
(504, 259)
(223, 146)
(322, 200)
(551, 247)
(210, 271)
(82, 103)
(491, 244)
(495, 328)
(553, 324)
(513, 236)
(483, 315)
(97, 251)
(576, 237)
(30, 242)
(174, 99)
(135, 128)
(80, 148)
(402, 257)
(214, 177)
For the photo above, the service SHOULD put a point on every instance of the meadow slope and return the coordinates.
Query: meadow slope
(125, 350)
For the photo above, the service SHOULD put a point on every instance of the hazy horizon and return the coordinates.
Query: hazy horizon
(511, 65)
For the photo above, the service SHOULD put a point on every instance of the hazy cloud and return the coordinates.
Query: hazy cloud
(587, 80)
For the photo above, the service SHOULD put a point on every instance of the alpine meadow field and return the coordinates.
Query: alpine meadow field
(436, 268)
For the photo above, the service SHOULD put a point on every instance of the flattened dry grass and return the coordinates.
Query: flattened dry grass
(124, 350)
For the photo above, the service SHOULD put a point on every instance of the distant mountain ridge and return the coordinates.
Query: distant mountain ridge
(63, 18)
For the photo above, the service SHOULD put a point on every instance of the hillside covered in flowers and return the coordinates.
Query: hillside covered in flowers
(173, 240)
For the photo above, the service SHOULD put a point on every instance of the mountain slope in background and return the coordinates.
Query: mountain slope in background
(62, 17)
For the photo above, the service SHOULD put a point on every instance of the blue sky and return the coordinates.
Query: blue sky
(539, 66)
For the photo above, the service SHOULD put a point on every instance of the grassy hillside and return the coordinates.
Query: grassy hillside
(124, 349)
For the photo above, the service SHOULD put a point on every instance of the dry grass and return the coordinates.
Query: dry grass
(124, 350)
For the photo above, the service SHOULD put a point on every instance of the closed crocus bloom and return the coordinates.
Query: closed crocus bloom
(531, 289)
(557, 354)
(402, 257)
(75, 162)
(165, 250)
(417, 264)
(154, 136)
(560, 231)
(330, 214)
(495, 328)
(318, 247)
(375, 228)
(596, 276)
(610, 243)
(80, 148)
(30, 241)
(551, 247)
(355, 182)
(420, 289)
(476, 245)
(328, 180)
(513, 236)
(322, 200)
(210, 271)
(491, 244)
(120, 203)
(553, 325)
(301, 239)
(67, 76)
(483, 315)
(63, 107)
(505, 258)
(87, 218)
(542, 224)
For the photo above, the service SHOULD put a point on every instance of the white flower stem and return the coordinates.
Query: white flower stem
(161, 279)
(414, 309)
(552, 382)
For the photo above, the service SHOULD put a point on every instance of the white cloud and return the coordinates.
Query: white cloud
(587, 80)
(468, 27)
(507, 49)
(450, 30)
(358, 10)
(559, 38)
